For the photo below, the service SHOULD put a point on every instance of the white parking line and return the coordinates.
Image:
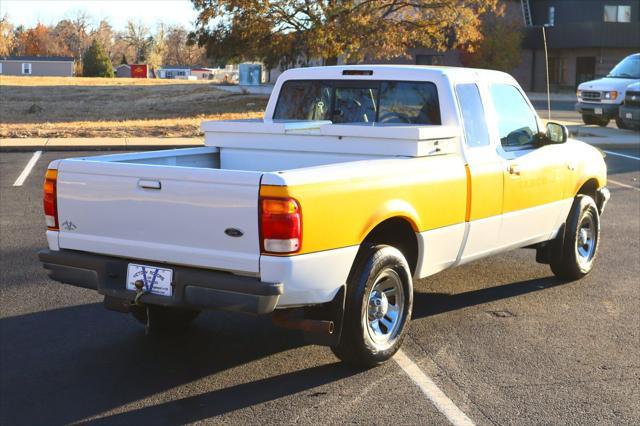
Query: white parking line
(27, 169)
(432, 391)
(622, 155)
(624, 185)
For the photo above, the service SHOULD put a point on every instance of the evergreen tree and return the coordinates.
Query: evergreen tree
(123, 61)
(96, 62)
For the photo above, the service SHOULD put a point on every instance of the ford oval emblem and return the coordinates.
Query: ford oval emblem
(233, 232)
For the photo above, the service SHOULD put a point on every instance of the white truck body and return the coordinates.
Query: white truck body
(174, 207)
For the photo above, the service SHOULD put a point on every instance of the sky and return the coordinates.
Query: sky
(118, 12)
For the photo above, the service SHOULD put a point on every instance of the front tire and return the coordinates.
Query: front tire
(621, 125)
(589, 119)
(581, 240)
(164, 319)
(377, 308)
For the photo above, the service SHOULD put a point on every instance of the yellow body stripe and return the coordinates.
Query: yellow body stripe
(341, 213)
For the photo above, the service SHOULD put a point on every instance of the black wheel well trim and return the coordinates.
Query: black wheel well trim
(592, 188)
(396, 232)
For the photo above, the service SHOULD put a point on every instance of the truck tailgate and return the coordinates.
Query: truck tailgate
(161, 213)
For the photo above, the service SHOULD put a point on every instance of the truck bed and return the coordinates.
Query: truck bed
(180, 206)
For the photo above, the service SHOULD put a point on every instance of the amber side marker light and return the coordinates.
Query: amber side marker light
(280, 225)
(49, 199)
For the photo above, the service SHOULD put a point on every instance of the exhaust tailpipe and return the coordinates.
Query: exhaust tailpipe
(284, 319)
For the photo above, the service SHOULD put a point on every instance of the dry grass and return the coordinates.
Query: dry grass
(119, 107)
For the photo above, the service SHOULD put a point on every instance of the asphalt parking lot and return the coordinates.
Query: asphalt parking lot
(501, 337)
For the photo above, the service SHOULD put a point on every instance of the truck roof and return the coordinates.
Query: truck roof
(391, 72)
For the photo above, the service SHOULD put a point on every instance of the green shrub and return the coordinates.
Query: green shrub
(95, 62)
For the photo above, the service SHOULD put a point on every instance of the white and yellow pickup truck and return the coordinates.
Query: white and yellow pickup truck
(359, 180)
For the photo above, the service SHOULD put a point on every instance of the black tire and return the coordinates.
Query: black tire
(376, 268)
(602, 122)
(165, 319)
(621, 125)
(589, 119)
(579, 252)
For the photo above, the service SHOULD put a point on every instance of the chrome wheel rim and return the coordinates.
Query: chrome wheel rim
(385, 307)
(586, 240)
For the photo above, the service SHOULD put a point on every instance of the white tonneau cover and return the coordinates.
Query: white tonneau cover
(324, 136)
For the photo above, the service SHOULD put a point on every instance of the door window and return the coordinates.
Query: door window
(517, 123)
(475, 124)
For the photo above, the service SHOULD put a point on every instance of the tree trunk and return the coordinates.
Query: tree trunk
(331, 61)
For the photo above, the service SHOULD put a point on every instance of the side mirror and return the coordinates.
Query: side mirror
(556, 133)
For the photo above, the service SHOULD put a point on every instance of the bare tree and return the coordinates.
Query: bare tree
(104, 35)
(137, 36)
(180, 50)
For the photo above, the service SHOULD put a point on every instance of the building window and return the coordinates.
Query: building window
(26, 69)
(552, 16)
(617, 13)
(429, 59)
(558, 71)
(0, 68)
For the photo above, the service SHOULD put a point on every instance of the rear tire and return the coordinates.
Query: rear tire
(165, 319)
(581, 241)
(378, 307)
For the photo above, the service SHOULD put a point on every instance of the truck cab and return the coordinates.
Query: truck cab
(599, 100)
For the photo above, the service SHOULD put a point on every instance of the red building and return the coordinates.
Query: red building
(139, 71)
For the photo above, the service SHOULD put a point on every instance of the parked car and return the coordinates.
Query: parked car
(630, 109)
(359, 180)
(599, 100)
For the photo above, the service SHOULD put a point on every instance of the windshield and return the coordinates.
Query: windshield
(628, 68)
(354, 101)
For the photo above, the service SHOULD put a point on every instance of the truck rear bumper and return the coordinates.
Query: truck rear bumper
(192, 287)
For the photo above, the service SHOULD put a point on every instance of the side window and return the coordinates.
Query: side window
(517, 124)
(26, 69)
(475, 124)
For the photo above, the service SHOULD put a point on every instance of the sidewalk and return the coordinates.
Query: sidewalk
(605, 137)
(79, 144)
(263, 89)
(555, 97)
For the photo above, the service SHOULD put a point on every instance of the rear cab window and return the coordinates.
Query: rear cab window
(359, 101)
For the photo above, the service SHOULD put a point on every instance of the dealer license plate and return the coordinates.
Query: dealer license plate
(628, 115)
(154, 280)
(598, 111)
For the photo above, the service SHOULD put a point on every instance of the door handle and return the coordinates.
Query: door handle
(149, 184)
(514, 169)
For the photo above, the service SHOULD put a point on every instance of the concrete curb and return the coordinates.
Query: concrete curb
(96, 144)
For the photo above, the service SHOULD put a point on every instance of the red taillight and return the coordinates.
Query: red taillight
(50, 204)
(280, 225)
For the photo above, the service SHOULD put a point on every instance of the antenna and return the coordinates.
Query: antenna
(546, 66)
